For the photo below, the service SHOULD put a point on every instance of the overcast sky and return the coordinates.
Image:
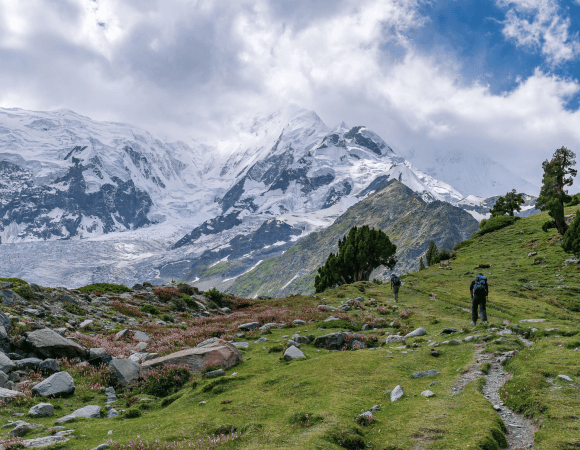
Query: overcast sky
(497, 77)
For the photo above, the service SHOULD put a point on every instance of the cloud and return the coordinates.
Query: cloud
(185, 69)
(538, 24)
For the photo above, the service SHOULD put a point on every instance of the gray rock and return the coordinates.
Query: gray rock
(332, 341)
(427, 393)
(397, 393)
(50, 344)
(506, 332)
(111, 395)
(262, 339)
(44, 441)
(23, 428)
(8, 297)
(89, 411)
(207, 342)
(95, 353)
(366, 326)
(127, 371)
(5, 322)
(6, 364)
(327, 308)
(471, 338)
(240, 344)
(394, 339)
(121, 334)
(291, 343)
(141, 336)
(49, 366)
(532, 320)
(532, 254)
(215, 373)
(86, 323)
(13, 424)
(299, 322)
(3, 379)
(425, 373)
(111, 413)
(249, 326)
(449, 331)
(102, 446)
(8, 395)
(331, 318)
(41, 410)
(455, 341)
(28, 364)
(142, 346)
(571, 261)
(301, 339)
(565, 377)
(57, 385)
(293, 353)
(418, 332)
(267, 326)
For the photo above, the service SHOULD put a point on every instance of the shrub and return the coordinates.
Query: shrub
(304, 419)
(165, 294)
(377, 281)
(340, 294)
(485, 368)
(190, 302)
(73, 308)
(167, 318)
(127, 310)
(571, 240)
(165, 381)
(25, 291)
(132, 413)
(276, 349)
(149, 309)
(179, 304)
(224, 429)
(215, 296)
(186, 289)
(364, 420)
(444, 255)
(494, 223)
(105, 288)
(350, 439)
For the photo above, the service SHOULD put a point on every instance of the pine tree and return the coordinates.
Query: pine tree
(558, 174)
(508, 204)
(431, 253)
(571, 241)
(421, 265)
(359, 252)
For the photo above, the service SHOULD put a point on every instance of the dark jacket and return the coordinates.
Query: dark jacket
(472, 285)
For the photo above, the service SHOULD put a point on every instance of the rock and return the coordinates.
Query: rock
(50, 344)
(13, 424)
(394, 339)
(57, 385)
(426, 373)
(111, 396)
(565, 377)
(532, 254)
(3, 379)
(112, 413)
(8, 297)
(121, 334)
(5, 322)
(471, 338)
(137, 287)
(49, 366)
(142, 346)
(241, 344)
(97, 353)
(449, 331)
(497, 407)
(7, 395)
(86, 323)
(455, 342)
(6, 364)
(418, 332)
(28, 364)
(301, 339)
(291, 343)
(366, 326)
(532, 320)
(267, 326)
(293, 353)
(331, 318)
(333, 341)
(43, 441)
(397, 393)
(506, 332)
(23, 428)
(327, 308)
(571, 261)
(41, 410)
(214, 373)
(89, 411)
(141, 336)
(127, 371)
(427, 393)
(249, 326)
(219, 352)
(259, 341)
(207, 342)
(299, 322)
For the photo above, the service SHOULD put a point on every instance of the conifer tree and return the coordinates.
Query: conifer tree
(421, 265)
(508, 204)
(431, 253)
(359, 252)
(571, 241)
(558, 174)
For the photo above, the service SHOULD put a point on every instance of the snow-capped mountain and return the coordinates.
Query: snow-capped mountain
(479, 207)
(66, 176)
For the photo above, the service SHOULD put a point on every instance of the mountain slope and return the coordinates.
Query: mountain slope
(410, 222)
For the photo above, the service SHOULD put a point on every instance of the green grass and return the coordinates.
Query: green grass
(106, 288)
(14, 281)
(267, 401)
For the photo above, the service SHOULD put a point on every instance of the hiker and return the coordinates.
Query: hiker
(479, 291)
(395, 285)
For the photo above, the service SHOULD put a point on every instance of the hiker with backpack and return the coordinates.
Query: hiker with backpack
(395, 285)
(479, 291)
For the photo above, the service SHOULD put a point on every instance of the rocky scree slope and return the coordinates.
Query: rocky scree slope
(409, 221)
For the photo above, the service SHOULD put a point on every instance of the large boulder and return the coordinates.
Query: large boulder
(218, 352)
(332, 341)
(5, 322)
(418, 332)
(127, 371)
(28, 364)
(57, 385)
(394, 339)
(41, 410)
(293, 353)
(89, 411)
(8, 297)
(50, 344)
(7, 395)
(6, 364)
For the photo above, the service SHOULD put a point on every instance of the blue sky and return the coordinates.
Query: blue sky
(493, 77)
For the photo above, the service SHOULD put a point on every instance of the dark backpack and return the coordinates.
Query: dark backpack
(480, 286)
(396, 280)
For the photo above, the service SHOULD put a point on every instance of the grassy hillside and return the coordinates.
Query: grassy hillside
(409, 222)
(266, 399)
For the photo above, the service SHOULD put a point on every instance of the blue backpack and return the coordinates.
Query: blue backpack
(480, 286)
(396, 280)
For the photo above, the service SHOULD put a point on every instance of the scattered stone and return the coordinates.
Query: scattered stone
(366, 326)
(28, 364)
(111, 395)
(240, 344)
(571, 261)
(50, 344)
(142, 346)
(267, 326)
(57, 385)
(89, 411)
(6, 364)
(8, 297)
(13, 424)
(219, 352)
(425, 373)
(293, 353)
(455, 342)
(41, 410)
(141, 336)
(331, 318)
(262, 339)
(497, 407)
(449, 331)
(326, 308)
(299, 322)
(102, 446)
(86, 323)
(418, 332)
(433, 383)
(532, 254)
(565, 377)
(214, 373)
(249, 326)
(471, 338)
(532, 320)
(49, 366)
(112, 413)
(394, 339)
(291, 343)
(127, 371)
(207, 342)
(23, 428)
(427, 393)
(43, 441)
(300, 339)
(121, 334)
(397, 393)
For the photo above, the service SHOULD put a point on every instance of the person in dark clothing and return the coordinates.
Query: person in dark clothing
(479, 292)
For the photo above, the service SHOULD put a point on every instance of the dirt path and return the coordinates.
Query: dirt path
(520, 430)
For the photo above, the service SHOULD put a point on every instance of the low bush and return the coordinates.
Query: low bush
(304, 419)
(179, 304)
(73, 308)
(186, 289)
(106, 288)
(350, 439)
(125, 309)
(190, 302)
(165, 381)
(224, 429)
(485, 368)
(149, 309)
(165, 294)
(25, 291)
(132, 413)
(495, 223)
(167, 318)
(276, 349)
(215, 296)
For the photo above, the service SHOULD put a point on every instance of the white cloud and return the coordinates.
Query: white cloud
(538, 24)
